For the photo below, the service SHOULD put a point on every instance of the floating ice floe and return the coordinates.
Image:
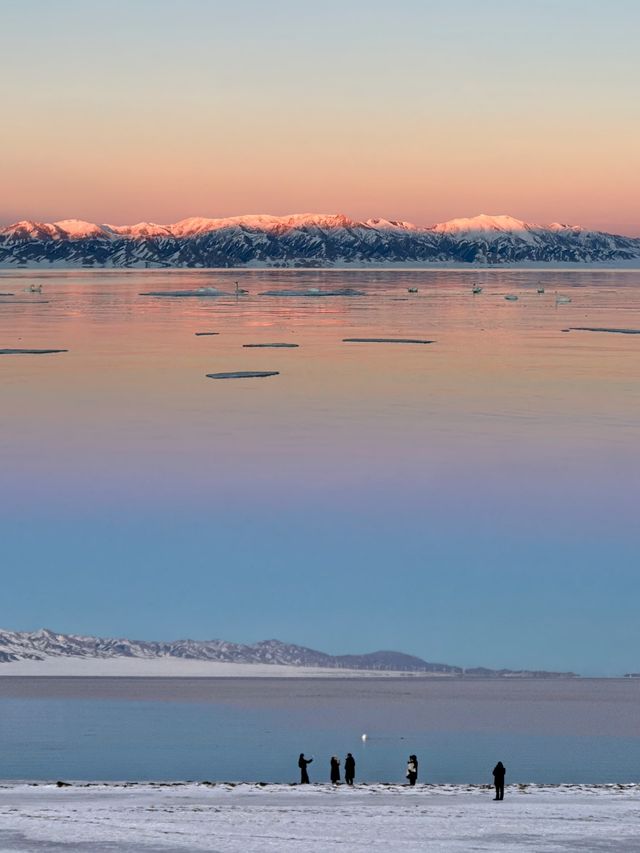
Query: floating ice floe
(13, 351)
(200, 291)
(314, 291)
(603, 329)
(386, 341)
(275, 346)
(243, 374)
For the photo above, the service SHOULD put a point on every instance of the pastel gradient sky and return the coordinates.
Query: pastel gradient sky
(417, 110)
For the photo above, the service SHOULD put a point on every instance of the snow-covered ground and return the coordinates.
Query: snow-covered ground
(317, 818)
(168, 667)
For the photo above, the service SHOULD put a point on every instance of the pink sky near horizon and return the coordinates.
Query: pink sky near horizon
(415, 113)
(424, 178)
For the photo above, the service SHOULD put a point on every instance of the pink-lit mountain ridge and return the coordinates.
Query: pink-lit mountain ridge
(306, 240)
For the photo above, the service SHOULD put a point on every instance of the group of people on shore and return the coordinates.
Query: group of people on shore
(349, 769)
(499, 772)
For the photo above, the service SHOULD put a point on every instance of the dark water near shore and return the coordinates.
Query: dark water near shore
(585, 731)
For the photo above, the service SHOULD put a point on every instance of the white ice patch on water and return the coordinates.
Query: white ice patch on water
(200, 291)
(314, 291)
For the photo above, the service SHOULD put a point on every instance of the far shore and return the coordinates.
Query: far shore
(629, 265)
(180, 668)
(65, 667)
(69, 667)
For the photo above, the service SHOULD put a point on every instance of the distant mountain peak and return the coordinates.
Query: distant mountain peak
(45, 644)
(306, 240)
(483, 222)
(78, 228)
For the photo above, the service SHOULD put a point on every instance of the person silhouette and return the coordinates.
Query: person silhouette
(412, 770)
(302, 764)
(349, 769)
(335, 770)
(498, 779)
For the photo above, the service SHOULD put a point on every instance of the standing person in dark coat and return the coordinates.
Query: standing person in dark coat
(335, 770)
(302, 764)
(498, 779)
(349, 769)
(412, 770)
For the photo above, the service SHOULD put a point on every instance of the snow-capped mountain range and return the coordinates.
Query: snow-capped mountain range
(306, 240)
(45, 644)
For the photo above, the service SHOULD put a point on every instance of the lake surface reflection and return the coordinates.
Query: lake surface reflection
(473, 500)
(253, 729)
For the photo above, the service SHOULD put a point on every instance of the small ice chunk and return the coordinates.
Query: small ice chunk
(30, 351)
(243, 374)
(275, 346)
(315, 292)
(386, 341)
(200, 291)
(604, 329)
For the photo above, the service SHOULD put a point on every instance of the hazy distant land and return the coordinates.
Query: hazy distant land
(45, 652)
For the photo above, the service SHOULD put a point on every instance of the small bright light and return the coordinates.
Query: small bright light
(364, 737)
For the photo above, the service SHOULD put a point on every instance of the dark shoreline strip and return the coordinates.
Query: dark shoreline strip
(461, 787)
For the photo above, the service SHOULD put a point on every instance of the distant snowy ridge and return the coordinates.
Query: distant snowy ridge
(306, 240)
(45, 644)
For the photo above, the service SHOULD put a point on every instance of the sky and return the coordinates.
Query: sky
(413, 110)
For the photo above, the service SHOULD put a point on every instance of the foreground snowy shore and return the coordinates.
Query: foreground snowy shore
(233, 818)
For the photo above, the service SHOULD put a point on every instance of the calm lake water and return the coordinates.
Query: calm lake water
(473, 501)
(253, 729)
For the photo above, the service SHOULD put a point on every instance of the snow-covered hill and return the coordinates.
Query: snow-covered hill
(306, 240)
(39, 645)
(46, 645)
